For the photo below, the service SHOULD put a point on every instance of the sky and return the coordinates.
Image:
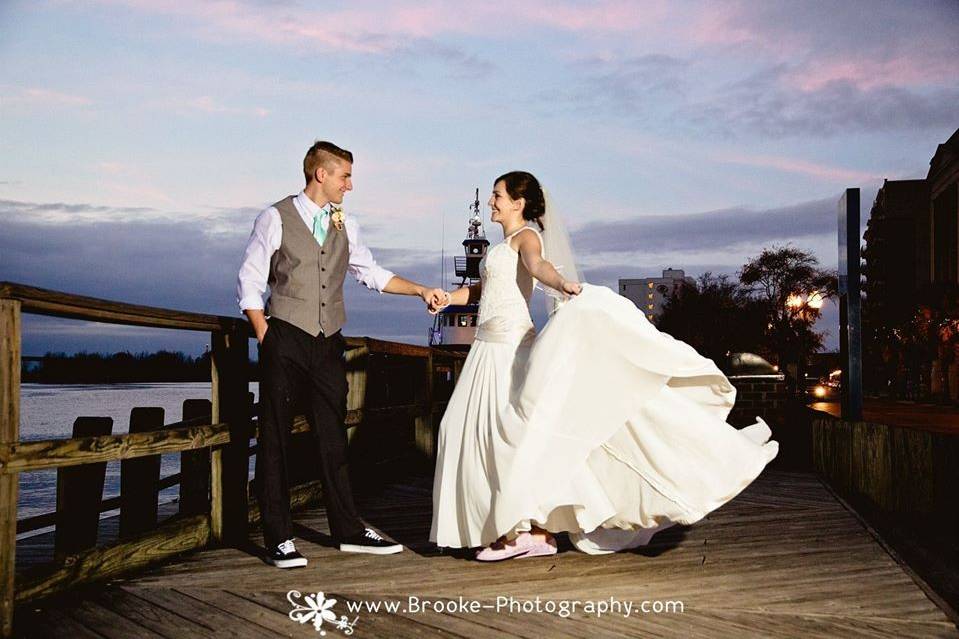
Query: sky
(140, 138)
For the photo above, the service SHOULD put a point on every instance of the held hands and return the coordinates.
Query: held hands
(435, 299)
(438, 302)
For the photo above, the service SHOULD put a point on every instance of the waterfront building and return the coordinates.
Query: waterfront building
(943, 180)
(649, 294)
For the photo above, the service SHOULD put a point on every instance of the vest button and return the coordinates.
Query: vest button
(322, 268)
(323, 285)
(322, 252)
(322, 303)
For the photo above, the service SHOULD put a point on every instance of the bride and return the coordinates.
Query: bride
(601, 426)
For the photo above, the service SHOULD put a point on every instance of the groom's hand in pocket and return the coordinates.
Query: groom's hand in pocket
(258, 322)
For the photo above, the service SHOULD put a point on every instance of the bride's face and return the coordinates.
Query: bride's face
(504, 209)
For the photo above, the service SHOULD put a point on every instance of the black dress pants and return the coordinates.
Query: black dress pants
(293, 363)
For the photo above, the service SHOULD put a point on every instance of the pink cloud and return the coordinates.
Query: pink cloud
(382, 27)
(43, 97)
(867, 73)
(792, 165)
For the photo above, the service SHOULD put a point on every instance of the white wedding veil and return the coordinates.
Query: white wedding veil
(558, 251)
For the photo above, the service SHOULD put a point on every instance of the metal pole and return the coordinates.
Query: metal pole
(850, 313)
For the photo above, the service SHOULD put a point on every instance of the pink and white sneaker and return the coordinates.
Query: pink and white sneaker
(525, 545)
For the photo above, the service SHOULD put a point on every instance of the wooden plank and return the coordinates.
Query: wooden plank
(9, 435)
(99, 564)
(140, 478)
(109, 623)
(55, 453)
(49, 302)
(35, 621)
(152, 617)
(214, 620)
(79, 492)
(195, 465)
(266, 620)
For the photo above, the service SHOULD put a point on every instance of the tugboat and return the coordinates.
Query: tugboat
(454, 327)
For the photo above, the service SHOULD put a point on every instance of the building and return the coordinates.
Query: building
(912, 278)
(649, 294)
(943, 180)
(896, 257)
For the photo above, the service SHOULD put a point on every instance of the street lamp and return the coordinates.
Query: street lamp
(803, 307)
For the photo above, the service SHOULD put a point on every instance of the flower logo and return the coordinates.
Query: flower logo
(337, 217)
(317, 608)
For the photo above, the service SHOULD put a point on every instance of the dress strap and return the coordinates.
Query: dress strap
(542, 244)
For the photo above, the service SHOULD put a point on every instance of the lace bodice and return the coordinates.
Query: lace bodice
(507, 288)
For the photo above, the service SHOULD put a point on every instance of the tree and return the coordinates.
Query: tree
(789, 286)
(715, 316)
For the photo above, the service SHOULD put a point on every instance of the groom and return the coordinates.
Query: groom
(302, 247)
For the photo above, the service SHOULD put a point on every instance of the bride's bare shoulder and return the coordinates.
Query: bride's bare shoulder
(527, 241)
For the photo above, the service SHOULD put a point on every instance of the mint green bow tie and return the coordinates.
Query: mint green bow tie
(321, 225)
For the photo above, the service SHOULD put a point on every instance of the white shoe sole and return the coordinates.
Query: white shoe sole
(288, 563)
(373, 550)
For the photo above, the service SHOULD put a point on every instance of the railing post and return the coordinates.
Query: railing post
(357, 372)
(229, 463)
(9, 434)
(195, 465)
(423, 426)
(79, 494)
(140, 479)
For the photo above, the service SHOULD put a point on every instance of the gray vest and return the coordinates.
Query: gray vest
(306, 279)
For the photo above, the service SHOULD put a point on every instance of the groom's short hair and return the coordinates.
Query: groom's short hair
(324, 154)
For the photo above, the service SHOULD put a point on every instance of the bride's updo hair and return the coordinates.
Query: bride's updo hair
(520, 184)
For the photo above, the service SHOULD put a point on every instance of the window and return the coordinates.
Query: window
(463, 320)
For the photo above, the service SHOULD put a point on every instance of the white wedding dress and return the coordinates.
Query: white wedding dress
(601, 426)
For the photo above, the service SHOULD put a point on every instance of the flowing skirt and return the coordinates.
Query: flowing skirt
(606, 428)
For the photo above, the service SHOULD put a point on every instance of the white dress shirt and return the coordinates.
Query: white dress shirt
(265, 241)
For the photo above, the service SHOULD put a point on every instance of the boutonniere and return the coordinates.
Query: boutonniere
(337, 217)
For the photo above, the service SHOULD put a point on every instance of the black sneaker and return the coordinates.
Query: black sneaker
(369, 541)
(285, 556)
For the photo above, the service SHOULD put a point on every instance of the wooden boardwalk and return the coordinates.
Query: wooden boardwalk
(784, 559)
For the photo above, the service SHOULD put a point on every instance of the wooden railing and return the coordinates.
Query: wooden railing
(214, 448)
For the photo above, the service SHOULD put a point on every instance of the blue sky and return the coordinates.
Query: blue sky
(140, 137)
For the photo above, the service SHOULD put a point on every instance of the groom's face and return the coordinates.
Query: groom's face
(337, 180)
